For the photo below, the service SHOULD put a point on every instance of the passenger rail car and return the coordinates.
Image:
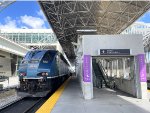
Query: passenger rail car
(42, 70)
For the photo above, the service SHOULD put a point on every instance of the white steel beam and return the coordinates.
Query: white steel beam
(12, 47)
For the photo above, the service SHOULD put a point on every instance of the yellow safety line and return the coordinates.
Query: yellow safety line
(148, 90)
(50, 103)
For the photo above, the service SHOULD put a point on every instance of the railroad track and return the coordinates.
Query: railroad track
(24, 105)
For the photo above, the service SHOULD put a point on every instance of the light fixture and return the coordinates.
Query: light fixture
(86, 30)
(74, 43)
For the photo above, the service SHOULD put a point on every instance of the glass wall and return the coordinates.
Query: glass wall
(114, 69)
(31, 37)
(147, 55)
(121, 67)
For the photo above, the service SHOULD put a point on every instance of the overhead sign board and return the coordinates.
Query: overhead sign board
(114, 51)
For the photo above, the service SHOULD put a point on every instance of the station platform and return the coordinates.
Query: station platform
(105, 101)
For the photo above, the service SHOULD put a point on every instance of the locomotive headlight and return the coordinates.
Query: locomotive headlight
(43, 74)
(22, 74)
(46, 74)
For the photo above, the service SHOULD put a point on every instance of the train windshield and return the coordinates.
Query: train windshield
(37, 55)
(34, 55)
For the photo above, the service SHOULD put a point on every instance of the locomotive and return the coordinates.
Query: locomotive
(42, 70)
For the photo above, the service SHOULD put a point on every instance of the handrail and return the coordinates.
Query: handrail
(103, 69)
(106, 75)
(103, 72)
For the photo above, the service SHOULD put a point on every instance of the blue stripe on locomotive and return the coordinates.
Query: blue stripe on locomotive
(36, 62)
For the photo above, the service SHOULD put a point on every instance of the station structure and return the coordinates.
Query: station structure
(11, 54)
(138, 28)
(72, 19)
(32, 38)
(89, 33)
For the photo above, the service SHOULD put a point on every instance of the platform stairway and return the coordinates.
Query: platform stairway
(100, 75)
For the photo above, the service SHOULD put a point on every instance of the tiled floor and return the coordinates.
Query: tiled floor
(105, 101)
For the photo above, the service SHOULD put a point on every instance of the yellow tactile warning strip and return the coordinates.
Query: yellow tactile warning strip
(50, 103)
(148, 90)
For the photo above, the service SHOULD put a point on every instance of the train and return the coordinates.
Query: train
(42, 71)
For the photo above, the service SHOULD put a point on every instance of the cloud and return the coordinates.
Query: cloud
(25, 21)
(24, 27)
(41, 14)
(33, 22)
(9, 23)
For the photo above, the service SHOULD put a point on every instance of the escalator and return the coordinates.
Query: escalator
(105, 76)
(99, 74)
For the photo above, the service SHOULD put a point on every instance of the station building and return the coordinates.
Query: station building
(138, 28)
(32, 38)
(117, 58)
(143, 29)
(105, 60)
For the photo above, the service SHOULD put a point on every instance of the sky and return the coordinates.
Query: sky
(23, 14)
(27, 14)
(145, 17)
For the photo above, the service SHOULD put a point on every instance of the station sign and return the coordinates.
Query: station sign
(114, 52)
(87, 68)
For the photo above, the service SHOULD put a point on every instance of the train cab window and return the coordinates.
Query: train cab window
(27, 55)
(47, 57)
(36, 55)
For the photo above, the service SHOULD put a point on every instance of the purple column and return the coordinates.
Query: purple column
(142, 67)
(87, 68)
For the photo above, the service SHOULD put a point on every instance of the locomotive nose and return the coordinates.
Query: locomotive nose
(32, 70)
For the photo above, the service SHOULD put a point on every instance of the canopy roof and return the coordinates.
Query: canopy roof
(69, 19)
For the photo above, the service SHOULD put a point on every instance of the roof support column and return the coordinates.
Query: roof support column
(87, 86)
(141, 81)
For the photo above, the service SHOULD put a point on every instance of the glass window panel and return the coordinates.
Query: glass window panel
(115, 68)
(120, 67)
